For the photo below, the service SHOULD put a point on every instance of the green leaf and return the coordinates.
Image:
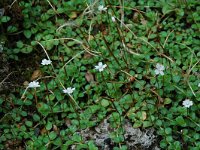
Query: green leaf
(34, 30)
(23, 128)
(20, 44)
(58, 94)
(79, 21)
(168, 130)
(76, 138)
(167, 101)
(180, 121)
(137, 124)
(38, 37)
(27, 102)
(24, 113)
(52, 135)
(60, 10)
(126, 101)
(36, 117)
(180, 12)
(33, 43)
(177, 145)
(81, 147)
(45, 139)
(92, 146)
(12, 29)
(152, 36)
(163, 144)
(44, 109)
(140, 85)
(51, 97)
(196, 136)
(49, 125)
(147, 124)
(62, 132)
(67, 143)
(56, 108)
(16, 50)
(44, 17)
(166, 9)
(118, 139)
(5, 18)
(176, 78)
(26, 49)
(1, 100)
(27, 33)
(64, 106)
(104, 102)
(158, 122)
(169, 139)
(57, 141)
(29, 123)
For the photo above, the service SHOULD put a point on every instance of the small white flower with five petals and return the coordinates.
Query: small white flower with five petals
(113, 18)
(33, 84)
(187, 103)
(46, 62)
(100, 66)
(1, 48)
(102, 8)
(69, 90)
(159, 69)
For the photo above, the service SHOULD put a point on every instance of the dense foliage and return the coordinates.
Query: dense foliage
(150, 72)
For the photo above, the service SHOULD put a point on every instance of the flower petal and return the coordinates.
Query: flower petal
(162, 67)
(100, 64)
(161, 73)
(157, 71)
(104, 66)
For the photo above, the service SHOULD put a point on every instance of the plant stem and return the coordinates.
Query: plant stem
(163, 81)
(35, 96)
(110, 51)
(112, 101)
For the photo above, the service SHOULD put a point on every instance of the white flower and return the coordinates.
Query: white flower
(123, 45)
(1, 48)
(113, 18)
(159, 69)
(33, 84)
(187, 103)
(102, 8)
(69, 90)
(46, 62)
(199, 85)
(100, 66)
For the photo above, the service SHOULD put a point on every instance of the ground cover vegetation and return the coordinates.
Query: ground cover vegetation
(107, 74)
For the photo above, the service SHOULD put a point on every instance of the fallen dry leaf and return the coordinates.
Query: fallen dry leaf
(136, 17)
(25, 83)
(90, 38)
(68, 122)
(55, 128)
(89, 77)
(143, 21)
(73, 15)
(144, 115)
(36, 74)
(129, 45)
(87, 55)
(43, 131)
